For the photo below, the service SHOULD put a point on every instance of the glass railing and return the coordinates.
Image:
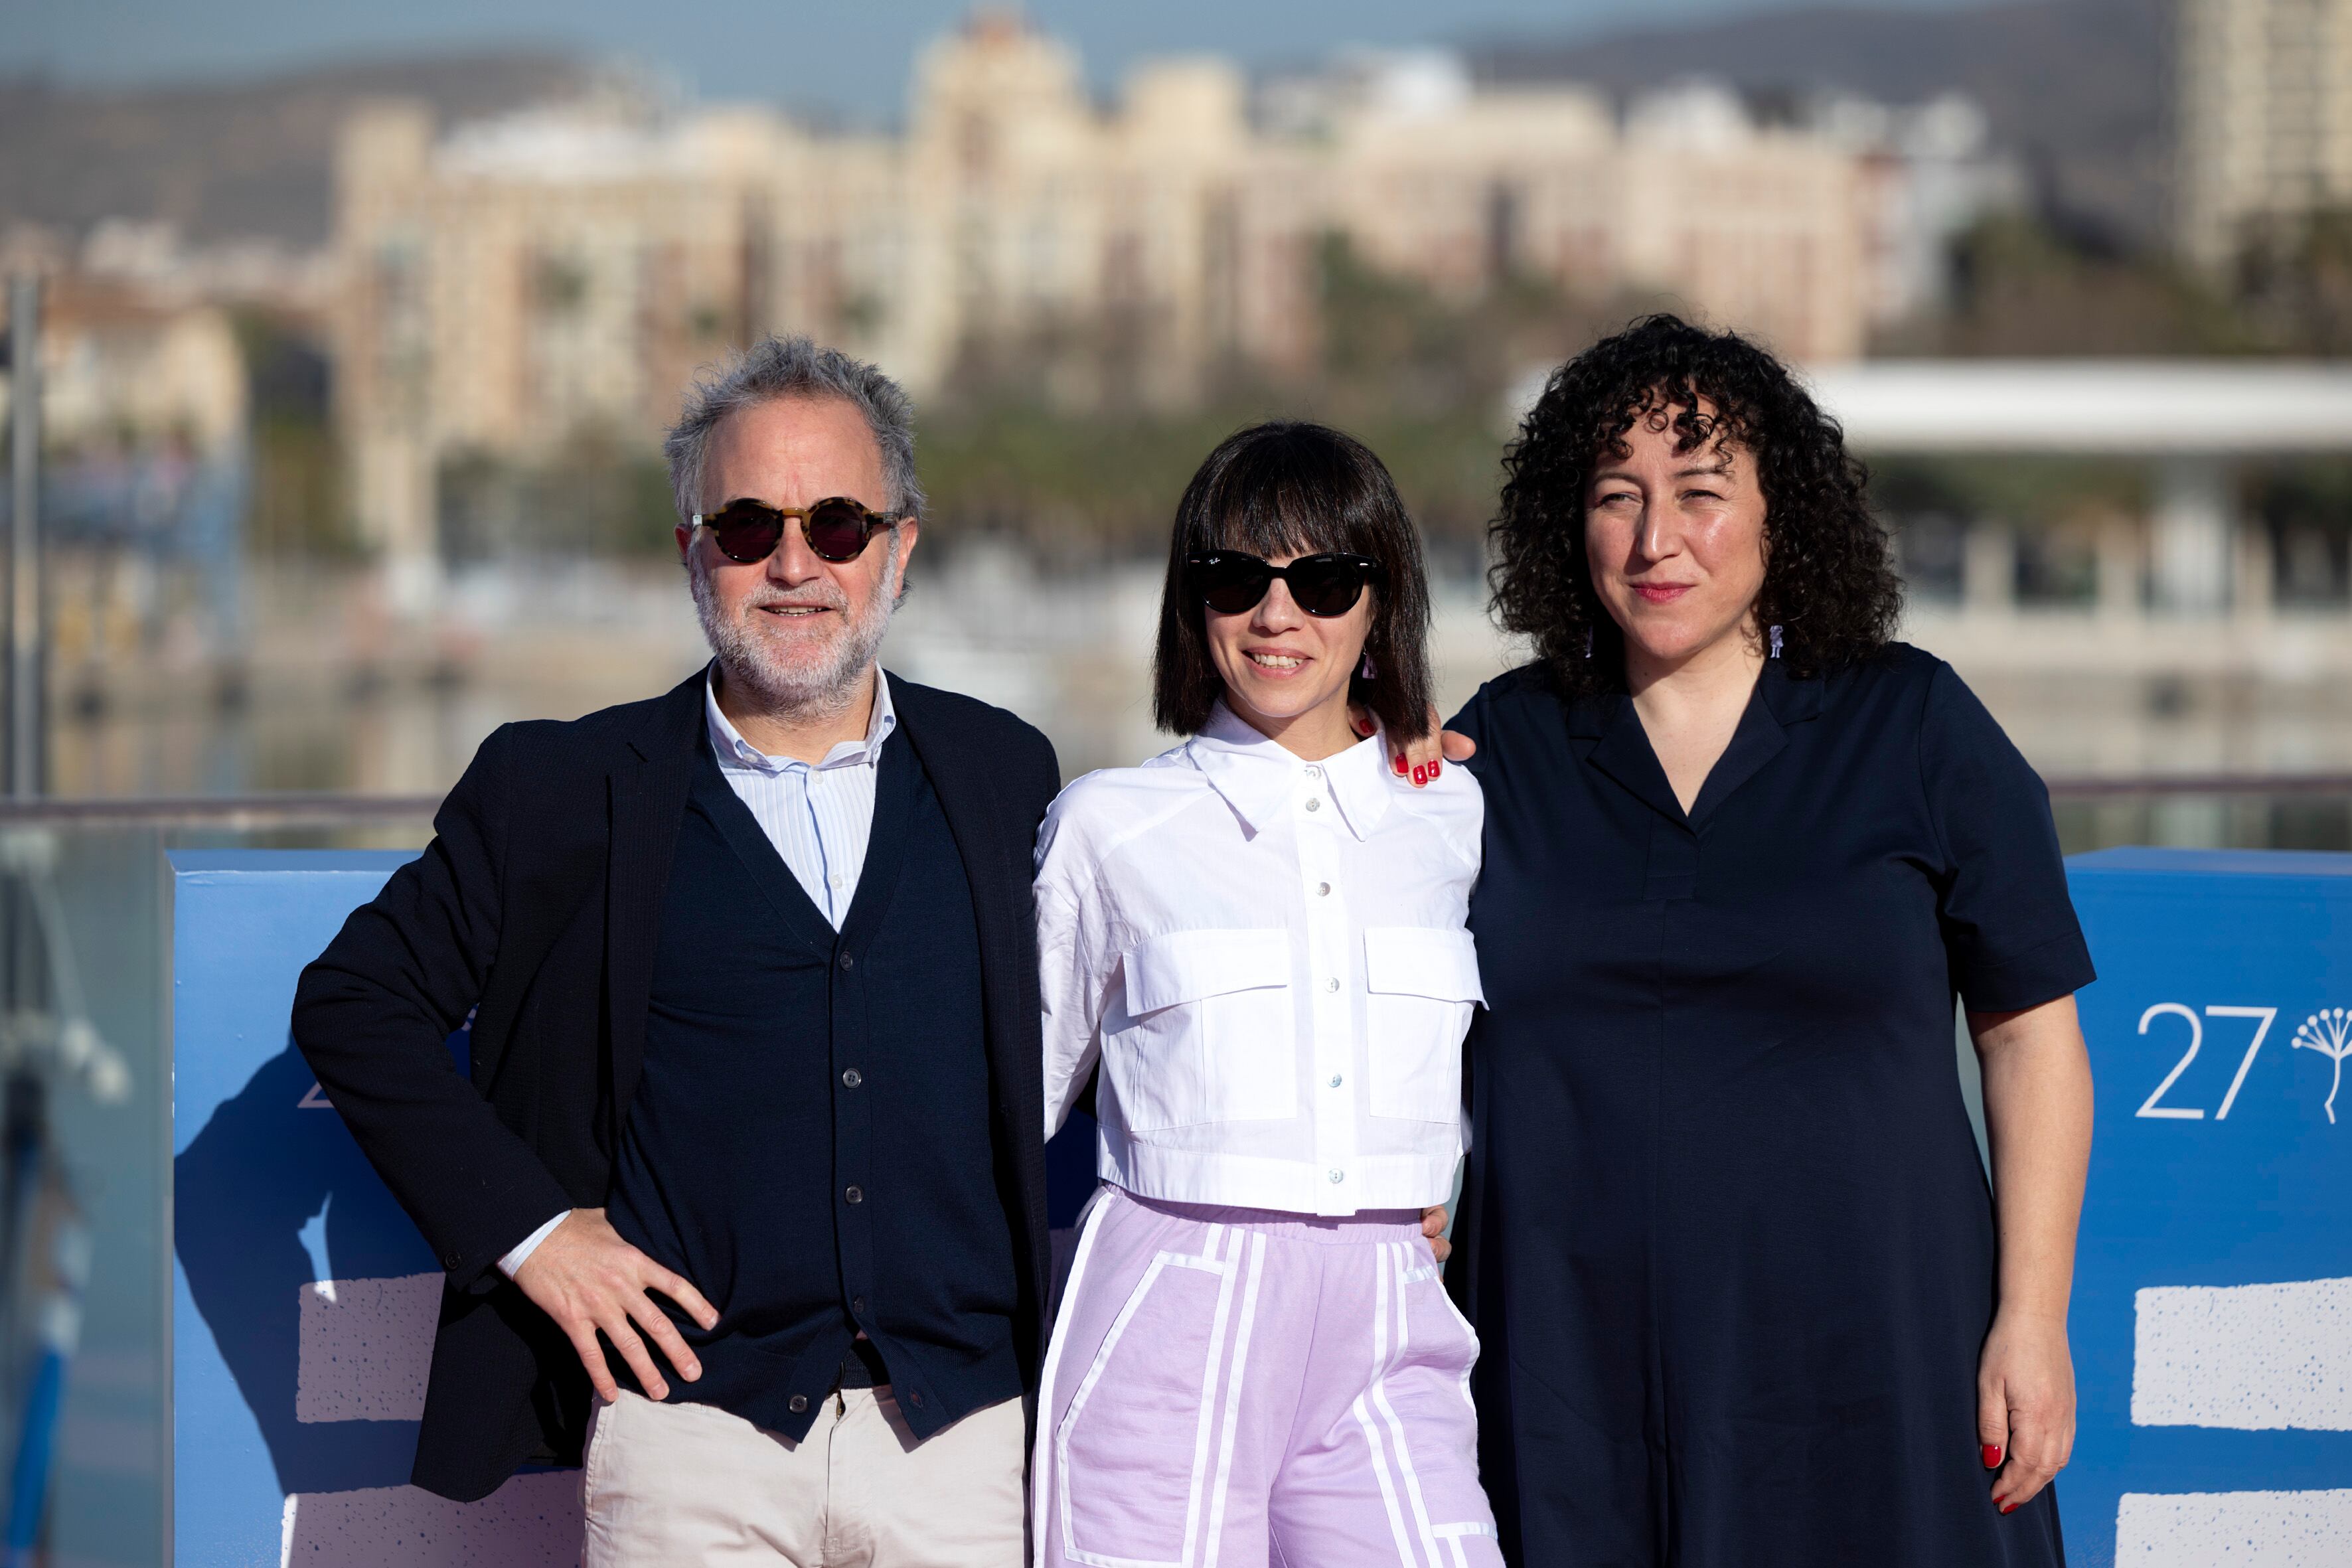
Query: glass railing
(2218, 811)
(105, 863)
(94, 874)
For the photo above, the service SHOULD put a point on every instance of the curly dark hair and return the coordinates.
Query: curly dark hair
(1829, 572)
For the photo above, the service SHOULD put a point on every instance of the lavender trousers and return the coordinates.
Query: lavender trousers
(1239, 1388)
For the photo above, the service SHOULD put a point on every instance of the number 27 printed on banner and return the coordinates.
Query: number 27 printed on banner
(2328, 1031)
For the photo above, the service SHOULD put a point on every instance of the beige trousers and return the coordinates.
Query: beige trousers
(683, 1483)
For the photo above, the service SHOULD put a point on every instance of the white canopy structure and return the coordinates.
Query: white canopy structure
(2191, 418)
(2162, 408)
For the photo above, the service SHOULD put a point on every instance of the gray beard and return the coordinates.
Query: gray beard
(815, 690)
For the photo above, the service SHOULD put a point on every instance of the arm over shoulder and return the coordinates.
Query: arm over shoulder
(372, 1012)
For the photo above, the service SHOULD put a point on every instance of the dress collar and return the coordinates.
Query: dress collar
(1793, 701)
(1258, 777)
(734, 750)
(1623, 748)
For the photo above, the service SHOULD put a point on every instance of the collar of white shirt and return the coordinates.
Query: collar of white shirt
(735, 751)
(1258, 777)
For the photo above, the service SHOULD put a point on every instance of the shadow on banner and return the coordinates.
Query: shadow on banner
(305, 1302)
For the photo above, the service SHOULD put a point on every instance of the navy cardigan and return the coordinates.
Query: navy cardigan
(537, 905)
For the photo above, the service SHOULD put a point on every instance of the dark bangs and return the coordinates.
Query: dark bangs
(1290, 488)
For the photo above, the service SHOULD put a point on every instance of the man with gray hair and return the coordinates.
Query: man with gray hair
(741, 1195)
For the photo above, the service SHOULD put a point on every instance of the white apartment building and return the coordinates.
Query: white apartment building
(506, 286)
(2264, 119)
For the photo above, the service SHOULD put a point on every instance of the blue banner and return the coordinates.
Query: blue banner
(2212, 1311)
(303, 1300)
(2212, 1314)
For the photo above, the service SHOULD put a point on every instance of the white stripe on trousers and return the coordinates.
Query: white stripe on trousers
(1364, 1418)
(1215, 1257)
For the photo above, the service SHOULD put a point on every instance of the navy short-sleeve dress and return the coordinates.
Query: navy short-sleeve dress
(1724, 1234)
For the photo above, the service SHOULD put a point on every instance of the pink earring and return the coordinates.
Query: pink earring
(1367, 670)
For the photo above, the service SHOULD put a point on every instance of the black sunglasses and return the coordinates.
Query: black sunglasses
(837, 527)
(1232, 583)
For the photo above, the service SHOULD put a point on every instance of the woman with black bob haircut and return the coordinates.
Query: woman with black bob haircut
(1257, 937)
(1289, 488)
(1744, 1294)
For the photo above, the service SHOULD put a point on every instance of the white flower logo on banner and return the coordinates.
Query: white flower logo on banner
(2328, 1032)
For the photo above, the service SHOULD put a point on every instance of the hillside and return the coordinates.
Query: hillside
(250, 158)
(2081, 88)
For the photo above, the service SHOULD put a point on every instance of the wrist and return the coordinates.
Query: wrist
(2029, 1315)
(511, 1264)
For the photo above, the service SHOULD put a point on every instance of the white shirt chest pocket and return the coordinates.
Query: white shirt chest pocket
(1423, 981)
(1208, 1031)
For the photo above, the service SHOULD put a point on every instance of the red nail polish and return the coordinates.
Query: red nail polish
(2009, 1508)
(1421, 776)
(1993, 1455)
(1435, 764)
(1400, 767)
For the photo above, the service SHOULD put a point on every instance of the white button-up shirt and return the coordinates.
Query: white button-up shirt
(1268, 958)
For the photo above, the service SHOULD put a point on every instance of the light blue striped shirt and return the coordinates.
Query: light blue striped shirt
(818, 815)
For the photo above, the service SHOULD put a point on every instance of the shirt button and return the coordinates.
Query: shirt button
(852, 1078)
(1315, 803)
(1331, 985)
(1337, 1175)
(1335, 1080)
(848, 962)
(1314, 772)
(855, 1194)
(799, 1402)
(1322, 889)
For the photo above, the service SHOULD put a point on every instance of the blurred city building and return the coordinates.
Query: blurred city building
(146, 426)
(506, 285)
(2264, 120)
(124, 367)
(1930, 172)
(1084, 286)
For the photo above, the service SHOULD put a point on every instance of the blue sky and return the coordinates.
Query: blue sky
(851, 57)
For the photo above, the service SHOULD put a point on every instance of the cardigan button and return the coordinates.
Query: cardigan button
(851, 1077)
(855, 1194)
(799, 1402)
(848, 960)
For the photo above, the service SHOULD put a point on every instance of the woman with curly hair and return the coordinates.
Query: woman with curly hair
(1744, 1295)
